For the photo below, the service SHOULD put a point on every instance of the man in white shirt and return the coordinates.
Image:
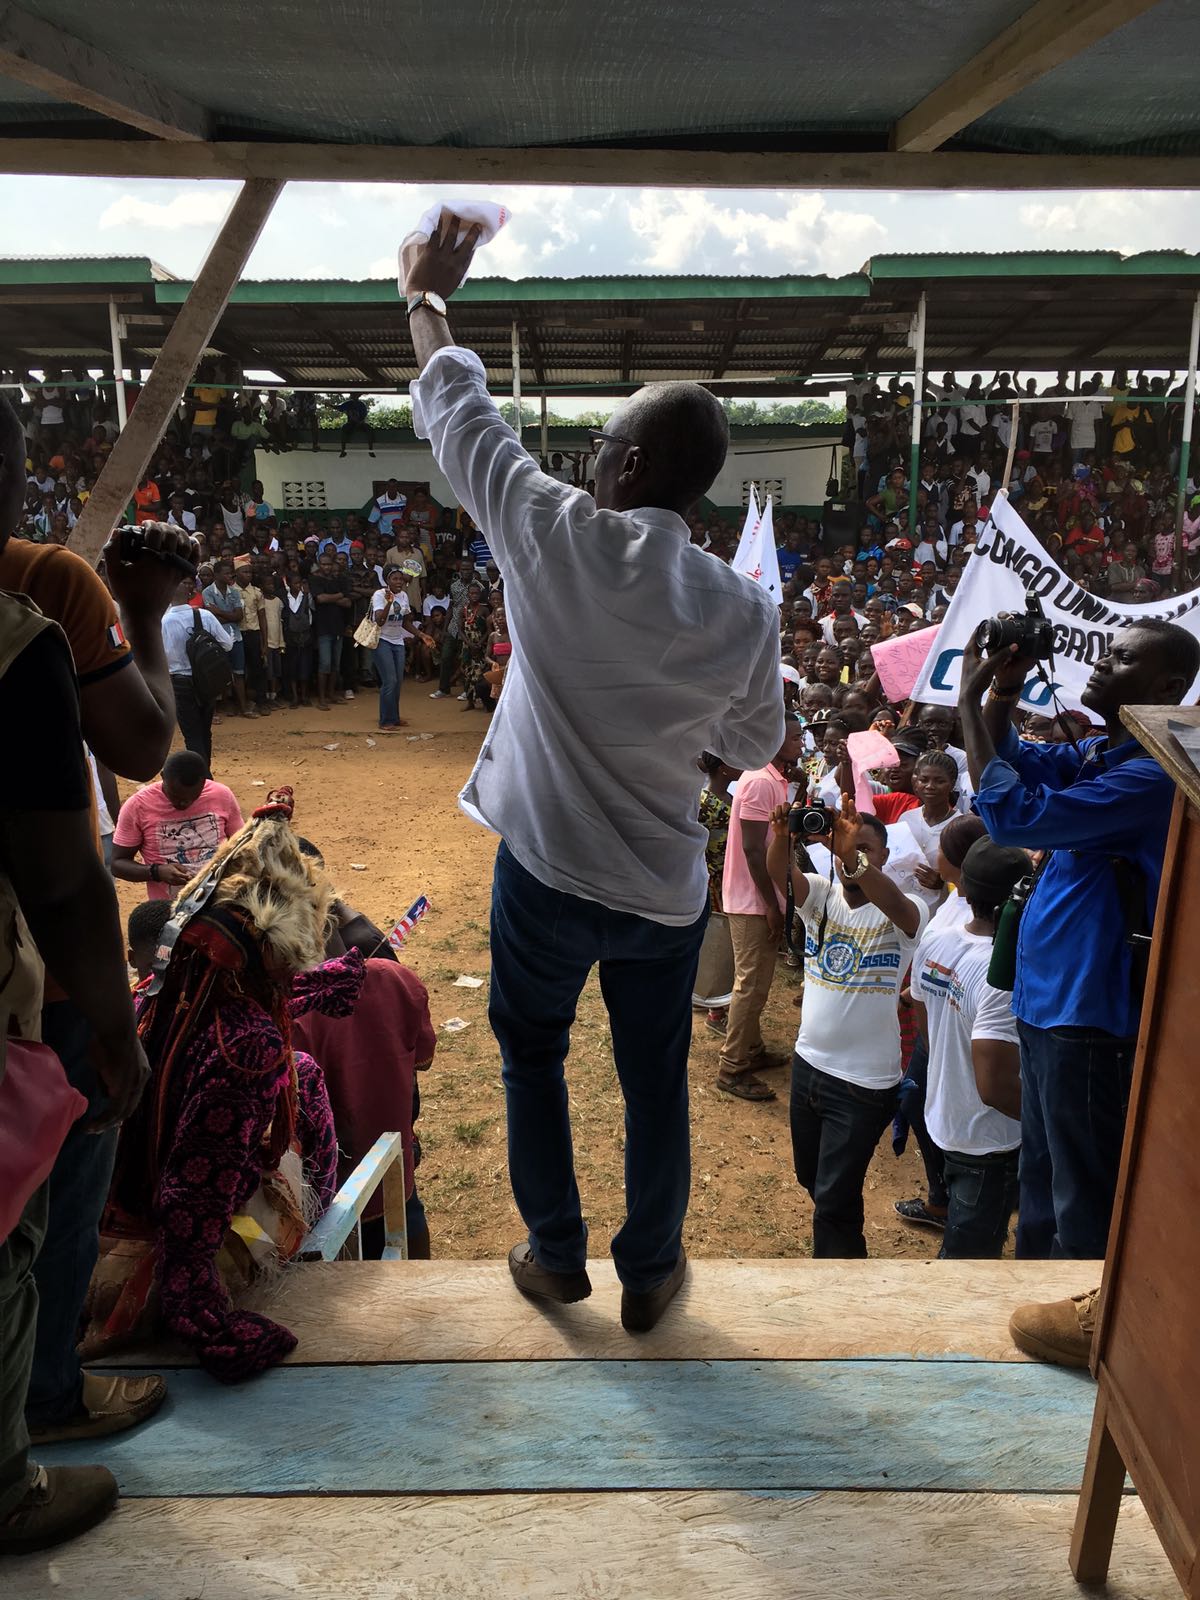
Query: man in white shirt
(389, 507)
(633, 651)
(973, 1047)
(860, 930)
(193, 715)
(1083, 419)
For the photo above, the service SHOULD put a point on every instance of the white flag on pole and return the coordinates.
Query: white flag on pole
(756, 554)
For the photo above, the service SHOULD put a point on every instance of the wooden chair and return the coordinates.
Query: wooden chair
(338, 1235)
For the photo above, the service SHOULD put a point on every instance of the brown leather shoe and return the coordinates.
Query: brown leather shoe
(640, 1312)
(542, 1284)
(1060, 1331)
(110, 1404)
(60, 1504)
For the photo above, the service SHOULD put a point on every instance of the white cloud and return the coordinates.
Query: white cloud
(193, 208)
(690, 230)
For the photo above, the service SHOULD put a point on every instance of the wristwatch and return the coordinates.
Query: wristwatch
(431, 302)
(852, 875)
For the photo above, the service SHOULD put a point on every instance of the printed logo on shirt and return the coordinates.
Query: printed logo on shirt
(943, 983)
(845, 963)
(189, 841)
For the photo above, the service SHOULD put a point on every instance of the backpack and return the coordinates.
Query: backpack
(211, 672)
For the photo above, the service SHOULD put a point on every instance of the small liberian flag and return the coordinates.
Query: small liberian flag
(408, 922)
(116, 638)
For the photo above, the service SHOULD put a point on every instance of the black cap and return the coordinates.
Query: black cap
(911, 743)
(990, 871)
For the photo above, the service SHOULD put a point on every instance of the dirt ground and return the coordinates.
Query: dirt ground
(385, 818)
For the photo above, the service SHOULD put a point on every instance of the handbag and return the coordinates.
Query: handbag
(37, 1109)
(367, 633)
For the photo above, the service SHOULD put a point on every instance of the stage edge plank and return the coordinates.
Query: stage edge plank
(669, 1546)
(370, 1311)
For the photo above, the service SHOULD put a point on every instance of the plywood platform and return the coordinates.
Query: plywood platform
(791, 1430)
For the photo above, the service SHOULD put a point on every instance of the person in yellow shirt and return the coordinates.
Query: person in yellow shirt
(206, 398)
(1123, 414)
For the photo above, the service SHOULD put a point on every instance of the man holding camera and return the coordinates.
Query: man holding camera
(860, 931)
(1099, 811)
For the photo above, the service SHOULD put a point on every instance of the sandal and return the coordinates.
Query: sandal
(746, 1087)
(917, 1212)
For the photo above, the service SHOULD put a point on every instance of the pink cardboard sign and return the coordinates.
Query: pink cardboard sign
(868, 751)
(899, 661)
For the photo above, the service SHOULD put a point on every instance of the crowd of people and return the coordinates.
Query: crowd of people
(202, 1120)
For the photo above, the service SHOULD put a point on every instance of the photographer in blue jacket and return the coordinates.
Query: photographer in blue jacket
(1100, 810)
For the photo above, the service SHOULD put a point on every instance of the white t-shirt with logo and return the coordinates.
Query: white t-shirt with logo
(1041, 436)
(950, 979)
(849, 1026)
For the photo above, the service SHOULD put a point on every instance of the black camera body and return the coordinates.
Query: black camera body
(811, 820)
(1032, 632)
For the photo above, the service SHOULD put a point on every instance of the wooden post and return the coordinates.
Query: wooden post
(1099, 1503)
(177, 359)
(114, 330)
(1185, 451)
(545, 429)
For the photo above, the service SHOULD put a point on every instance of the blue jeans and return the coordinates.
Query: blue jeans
(835, 1128)
(77, 1191)
(329, 652)
(912, 1108)
(983, 1197)
(389, 664)
(1074, 1095)
(544, 945)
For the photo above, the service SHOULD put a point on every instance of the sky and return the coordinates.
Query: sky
(345, 230)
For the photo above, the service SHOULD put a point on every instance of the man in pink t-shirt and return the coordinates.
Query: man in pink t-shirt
(754, 909)
(175, 826)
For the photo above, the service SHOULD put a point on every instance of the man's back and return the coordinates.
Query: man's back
(633, 651)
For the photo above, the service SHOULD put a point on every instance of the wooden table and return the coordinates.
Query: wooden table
(1145, 1355)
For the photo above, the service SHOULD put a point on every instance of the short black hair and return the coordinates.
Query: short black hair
(185, 766)
(941, 762)
(867, 819)
(1179, 649)
(685, 432)
(147, 921)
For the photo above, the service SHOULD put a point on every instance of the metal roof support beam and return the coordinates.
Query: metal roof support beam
(370, 372)
(537, 357)
(627, 356)
(583, 165)
(36, 53)
(731, 339)
(1049, 33)
(171, 373)
(1122, 325)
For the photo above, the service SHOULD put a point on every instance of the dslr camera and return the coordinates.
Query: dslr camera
(812, 819)
(1032, 632)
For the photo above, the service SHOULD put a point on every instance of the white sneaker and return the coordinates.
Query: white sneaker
(349, 694)
(462, 697)
(439, 694)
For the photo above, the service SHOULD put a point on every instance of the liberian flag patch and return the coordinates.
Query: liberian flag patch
(116, 637)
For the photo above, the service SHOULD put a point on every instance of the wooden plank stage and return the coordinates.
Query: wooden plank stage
(793, 1430)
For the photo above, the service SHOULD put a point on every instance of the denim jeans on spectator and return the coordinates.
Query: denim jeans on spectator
(389, 664)
(912, 1108)
(329, 652)
(544, 945)
(835, 1128)
(18, 1320)
(1074, 1095)
(983, 1197)
(77, 1190)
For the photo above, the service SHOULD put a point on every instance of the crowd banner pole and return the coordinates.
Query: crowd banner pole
(172, 371)
(1013, 419)
(1185, 451)
(914, 464)
(114, 331)
(516, 369)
